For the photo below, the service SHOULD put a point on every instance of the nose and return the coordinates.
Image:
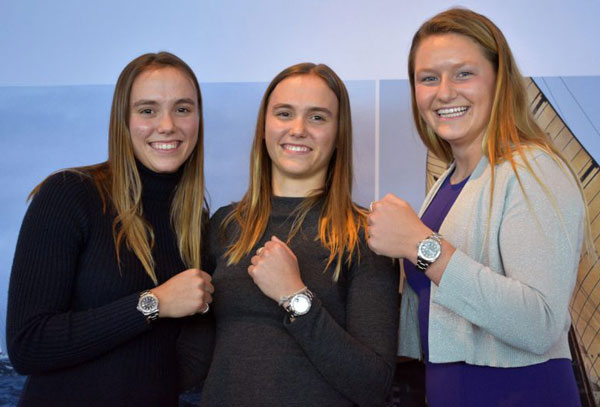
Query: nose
(446, 91)
(166, 124)
(298, 127)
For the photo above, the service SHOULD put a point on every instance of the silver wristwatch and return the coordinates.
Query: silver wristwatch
(428, 251)
(299, 304)
(148, 305)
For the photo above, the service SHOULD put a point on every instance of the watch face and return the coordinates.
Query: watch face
(429, 250)
(148, 303)
(300, 304)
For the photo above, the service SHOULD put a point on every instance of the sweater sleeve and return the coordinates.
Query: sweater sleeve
(196, 340)
(539, 239)
(43, 332)
(357, 360)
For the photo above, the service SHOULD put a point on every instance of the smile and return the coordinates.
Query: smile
(451, 112)
(164, 146)
(296, 148)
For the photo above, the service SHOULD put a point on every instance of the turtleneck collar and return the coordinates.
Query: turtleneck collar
(158, 186)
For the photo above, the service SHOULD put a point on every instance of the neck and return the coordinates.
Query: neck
(295, 188)
(466, 160)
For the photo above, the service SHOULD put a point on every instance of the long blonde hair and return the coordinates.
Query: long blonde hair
(340, 219)
(119, 183)
(511, 128)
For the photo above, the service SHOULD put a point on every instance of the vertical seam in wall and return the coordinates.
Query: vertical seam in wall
(376, 139)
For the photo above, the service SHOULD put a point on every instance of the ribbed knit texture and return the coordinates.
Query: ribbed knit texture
(341, 353)
(72, 323)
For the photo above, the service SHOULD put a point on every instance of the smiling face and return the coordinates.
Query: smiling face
(454, 88)
(300, 133)
(164, 118)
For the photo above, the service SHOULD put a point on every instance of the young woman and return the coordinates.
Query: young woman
(306, 313)
(492, 262)
(98, 277)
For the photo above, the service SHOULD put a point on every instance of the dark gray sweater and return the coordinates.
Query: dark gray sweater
(341, 353)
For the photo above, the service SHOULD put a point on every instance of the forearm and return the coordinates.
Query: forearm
(39, 340)
(522, 315)
(339, 356)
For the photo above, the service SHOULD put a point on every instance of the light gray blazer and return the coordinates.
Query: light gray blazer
(504, 297)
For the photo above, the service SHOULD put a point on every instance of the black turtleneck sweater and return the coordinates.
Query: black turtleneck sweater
(72, 324)
(341, 353)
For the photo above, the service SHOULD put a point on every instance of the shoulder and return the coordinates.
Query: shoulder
(545, 181)
(65, 188)
(538, 166)
(217, 218)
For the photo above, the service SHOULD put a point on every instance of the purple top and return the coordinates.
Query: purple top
(547, 384)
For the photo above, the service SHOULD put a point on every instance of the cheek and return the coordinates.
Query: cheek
(328, 142)
(190, 128)
(423, 98)
(272, 131)
(139, 129)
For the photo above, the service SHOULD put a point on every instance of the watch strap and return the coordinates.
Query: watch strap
(422, 264)
(292, 314)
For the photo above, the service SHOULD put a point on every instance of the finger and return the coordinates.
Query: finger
(259, 250)
(207, 298)
(204, 308)
(391, 197)
(370, 220)
(371, 206)
(205, 276)
(283, 244)
(209, 288)
(370, 243)
(254, 260)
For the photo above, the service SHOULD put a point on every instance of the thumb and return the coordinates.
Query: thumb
(277, 240)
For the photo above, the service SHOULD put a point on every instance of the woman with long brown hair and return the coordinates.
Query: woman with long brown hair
(305, 313)
(98, 286)
(492, 261)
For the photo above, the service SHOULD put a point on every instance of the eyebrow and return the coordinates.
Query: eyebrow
(149, 102)
(312, 109)
(457, 65)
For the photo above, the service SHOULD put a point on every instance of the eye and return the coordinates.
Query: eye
(183, 109)
(464, 74)
(146, 111)
(318, 118)
(427, 79)
(283, 114)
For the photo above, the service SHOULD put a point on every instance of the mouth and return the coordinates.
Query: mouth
(452, 112)
(165, 146)
(296, 148)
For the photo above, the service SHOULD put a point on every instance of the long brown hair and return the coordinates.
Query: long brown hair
(340, 220)
(511, 128)
(118, 180)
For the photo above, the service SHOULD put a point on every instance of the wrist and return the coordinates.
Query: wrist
(298, 304)
(428, 251)
(148, 305)
(285, 300)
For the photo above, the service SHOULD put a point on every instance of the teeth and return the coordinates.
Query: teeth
(296, 148)
(452, 111)
(164, 146)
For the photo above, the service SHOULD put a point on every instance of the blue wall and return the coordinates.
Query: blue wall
(61, 59)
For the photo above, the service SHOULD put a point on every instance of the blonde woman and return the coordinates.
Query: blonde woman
(492, 261)
(306, 314)
(98, 280)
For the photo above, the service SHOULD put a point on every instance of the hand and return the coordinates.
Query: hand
(275, 270)
(184, 294)
(394, 229)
